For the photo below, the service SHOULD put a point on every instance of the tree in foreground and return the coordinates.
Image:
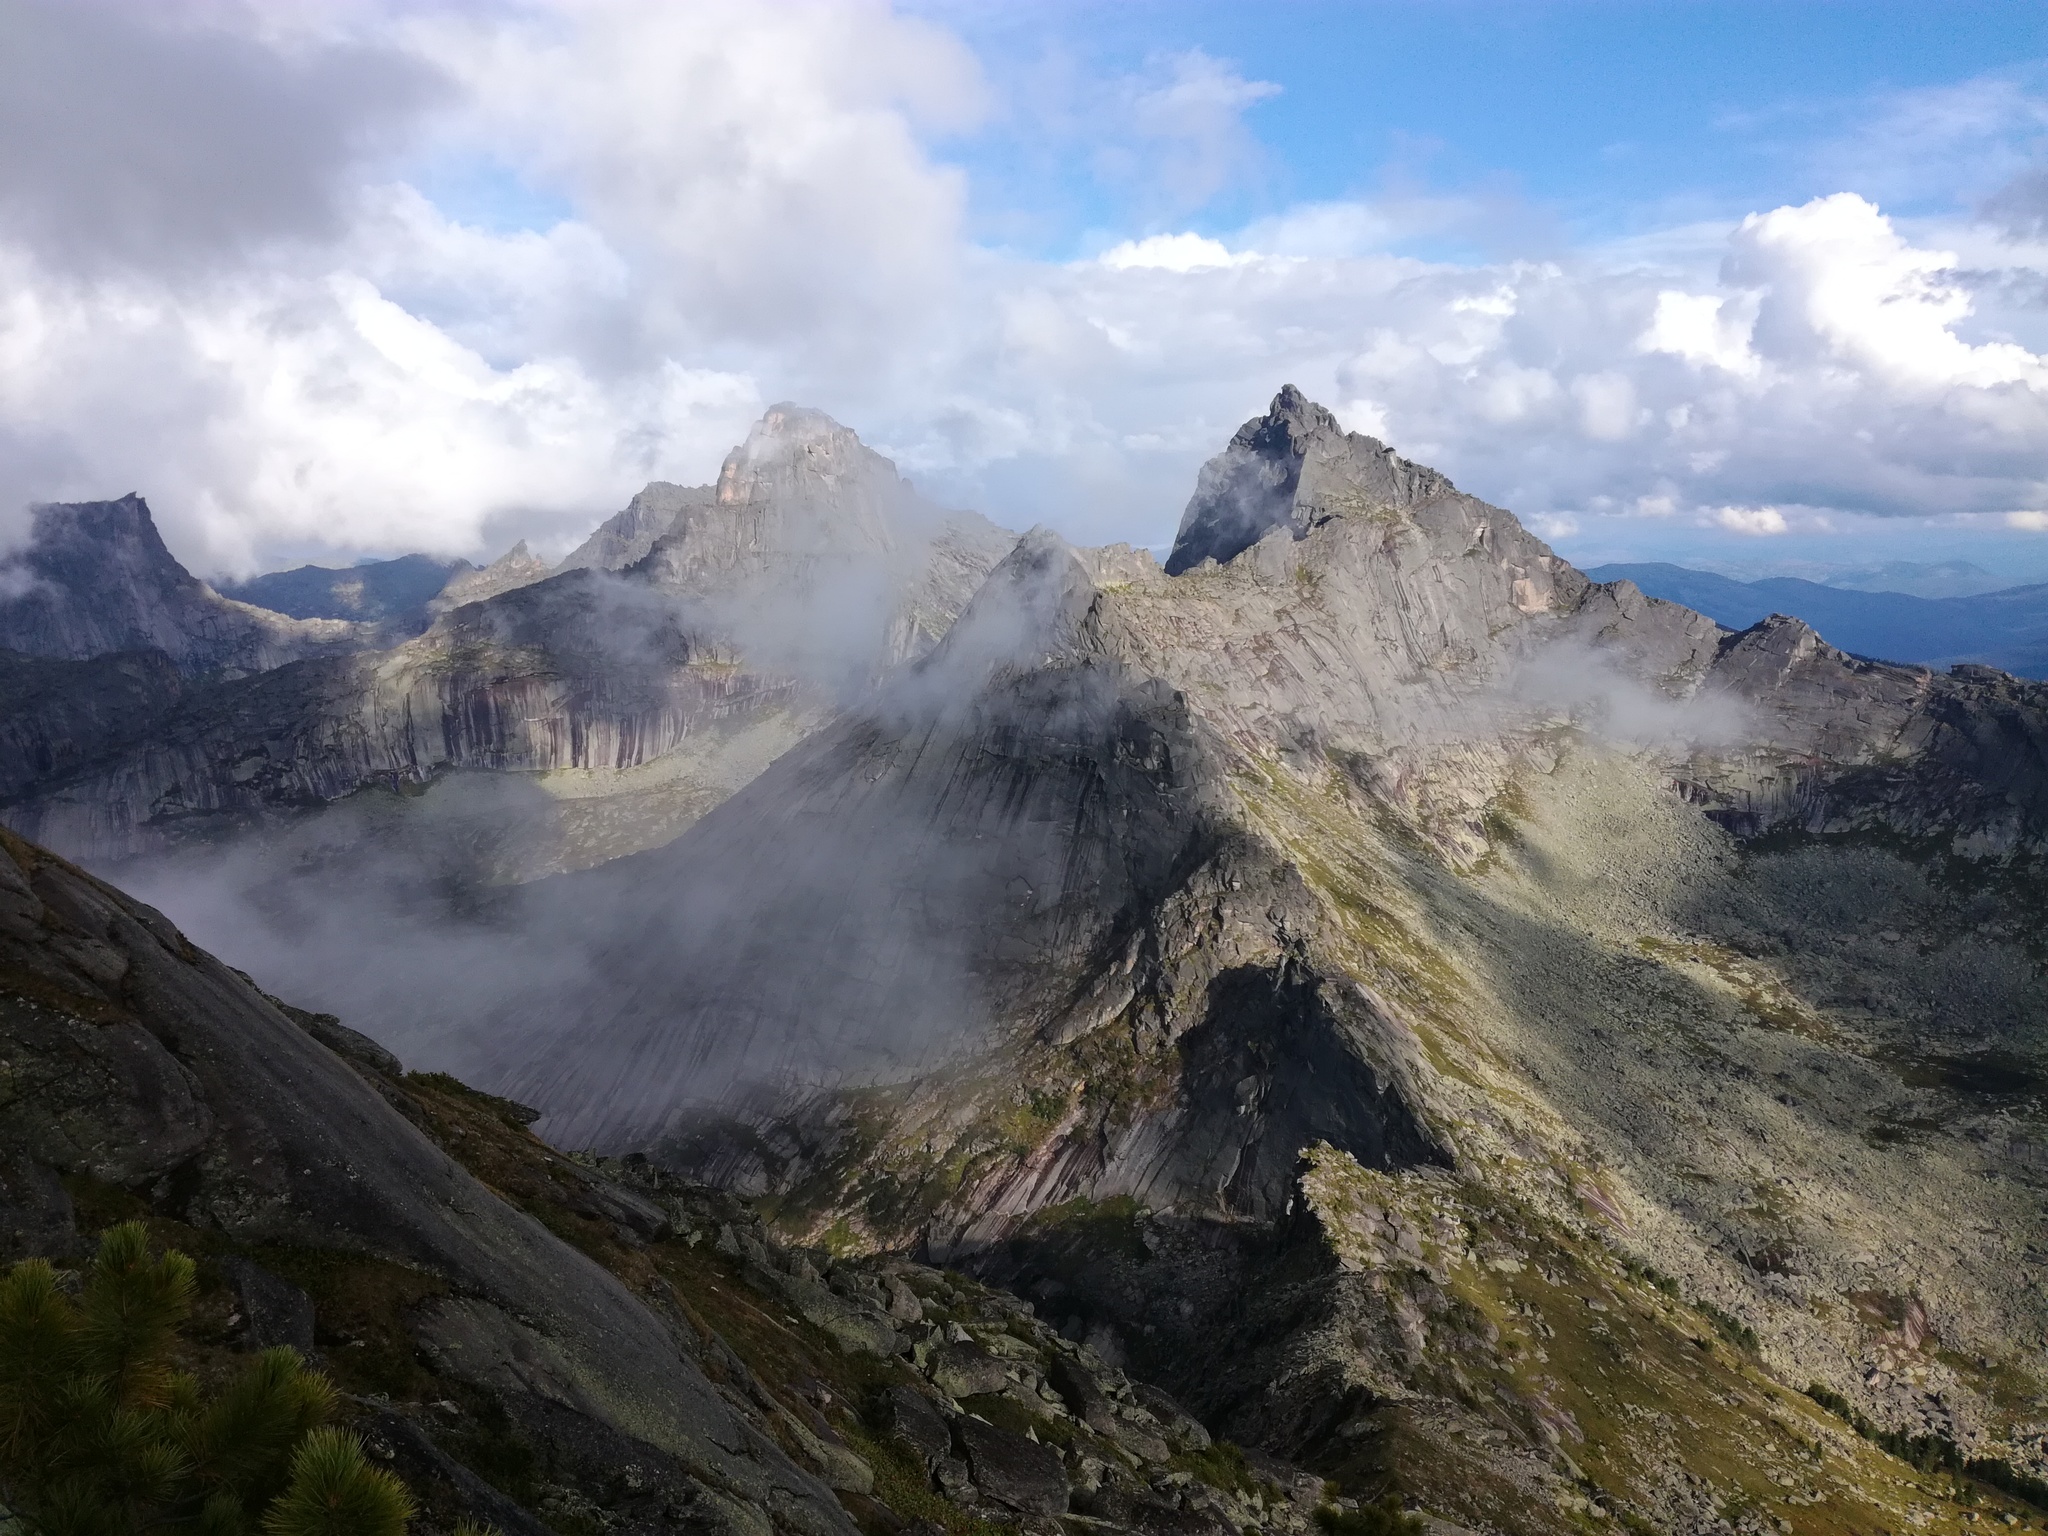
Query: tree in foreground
(102, 1435)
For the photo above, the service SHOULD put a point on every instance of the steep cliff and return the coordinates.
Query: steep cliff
(626, 537)
(529, 1341)
(627, 702)
(95, 577)
(1386, 844)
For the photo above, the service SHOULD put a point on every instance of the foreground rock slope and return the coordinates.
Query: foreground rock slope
(532, 1341)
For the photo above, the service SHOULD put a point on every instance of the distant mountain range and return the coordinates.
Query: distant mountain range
(2007, 629)
(1917, 578)
(391, 592)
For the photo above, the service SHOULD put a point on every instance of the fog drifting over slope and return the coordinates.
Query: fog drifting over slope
(863, 908)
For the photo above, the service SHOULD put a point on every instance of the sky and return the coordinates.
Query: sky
(1697, 281)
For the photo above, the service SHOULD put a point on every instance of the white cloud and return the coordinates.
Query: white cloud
(1174, 253)
(1758, 522)
(1705, 329)
(2033, 522)
(755, 210)
(1187, 135)
(1840, 283)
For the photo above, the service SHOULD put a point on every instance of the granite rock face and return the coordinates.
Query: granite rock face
(1848, 745)
(625, 537)
(812, 545)
(1292, 469)
(95, 577)
(671, 1365)
(616, 705)
(1394, 844)
(1033, 832)
(138, 1062)
(517, 567)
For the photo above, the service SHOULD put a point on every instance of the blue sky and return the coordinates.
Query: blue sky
(1720, 280)
(1601, 118)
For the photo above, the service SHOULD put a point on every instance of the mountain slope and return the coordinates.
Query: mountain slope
(95, 577)
(612, 707)
(528, 1341)
(391, 593)
(2006, 628)
(138, 1063)
(1576, 943)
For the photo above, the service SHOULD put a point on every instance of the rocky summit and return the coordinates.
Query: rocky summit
(692, 639)
(1359, 1025)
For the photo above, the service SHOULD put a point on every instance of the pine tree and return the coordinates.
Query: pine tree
(102, 1435)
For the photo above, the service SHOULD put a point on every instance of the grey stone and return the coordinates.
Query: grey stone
(1011, 1470)
(95, 578)
(273, 1312)
(36, 1216)
(915, 1420)
(276, 1140)
(964, 1370)
(588, 668)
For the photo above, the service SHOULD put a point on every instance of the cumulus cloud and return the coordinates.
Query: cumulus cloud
(754, 203)
(1758, 522)
(1174, 253)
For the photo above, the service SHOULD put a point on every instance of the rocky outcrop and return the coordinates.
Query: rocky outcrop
(95, 577)
(1058, 955)
(138, 1064)
(812, 551)
(1293, 469)
(652, 693)
(517, 567)
(1034, 832)
(571, 1341)
(1844, 745)
(625, 537)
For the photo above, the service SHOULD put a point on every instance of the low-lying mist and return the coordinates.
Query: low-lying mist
(957, 834)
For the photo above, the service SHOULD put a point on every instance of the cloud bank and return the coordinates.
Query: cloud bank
(438, 278)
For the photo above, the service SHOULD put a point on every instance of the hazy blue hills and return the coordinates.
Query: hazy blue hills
(394, 592)
(2007, 629)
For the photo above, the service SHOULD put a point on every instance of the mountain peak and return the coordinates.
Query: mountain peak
(1294, 467)
(517, 567)
(793, 449)
(99, 578)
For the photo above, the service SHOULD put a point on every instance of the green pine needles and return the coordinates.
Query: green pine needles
(102, 1435)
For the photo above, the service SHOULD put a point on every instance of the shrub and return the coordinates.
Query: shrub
(102, 1435)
